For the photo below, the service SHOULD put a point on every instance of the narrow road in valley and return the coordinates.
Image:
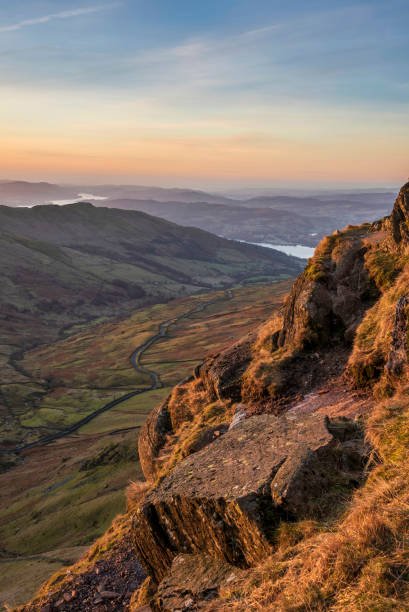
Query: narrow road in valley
(162, 331)
(136, 362)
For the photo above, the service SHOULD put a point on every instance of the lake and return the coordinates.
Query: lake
(297, 250)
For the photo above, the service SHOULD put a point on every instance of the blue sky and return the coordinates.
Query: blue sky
(205, 93)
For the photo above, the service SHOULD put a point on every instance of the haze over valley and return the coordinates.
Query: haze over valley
(276, 219)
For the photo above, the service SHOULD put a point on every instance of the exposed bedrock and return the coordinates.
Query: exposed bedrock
(329, 299)
(398, 354)
(152, 438)
(397, 224)
(221, 375)
(228, 499)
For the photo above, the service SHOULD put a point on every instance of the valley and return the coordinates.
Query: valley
(72, 488)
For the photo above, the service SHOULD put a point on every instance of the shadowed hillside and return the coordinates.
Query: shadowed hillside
(68, 265)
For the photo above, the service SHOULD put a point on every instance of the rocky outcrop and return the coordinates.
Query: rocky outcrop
(192, 582)
(398, 354)
(225, 501)
(397, 224)
(325, 306)
(329, 299)
(152, 438)
(228, 499)
(221, 375)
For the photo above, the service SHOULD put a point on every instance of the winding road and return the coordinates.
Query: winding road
(136, 362)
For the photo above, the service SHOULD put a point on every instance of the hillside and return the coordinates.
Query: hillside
(19, 193)
(69, 265)
(277, 474)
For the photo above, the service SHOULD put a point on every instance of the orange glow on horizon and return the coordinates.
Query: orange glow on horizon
(207, 158)
(120, 141)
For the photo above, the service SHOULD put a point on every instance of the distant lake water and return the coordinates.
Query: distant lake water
(297, 250)
(80, 198)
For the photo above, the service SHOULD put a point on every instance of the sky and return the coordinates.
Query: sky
(210, 93)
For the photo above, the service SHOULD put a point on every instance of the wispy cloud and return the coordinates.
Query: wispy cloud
(194, 49)
(61, 15)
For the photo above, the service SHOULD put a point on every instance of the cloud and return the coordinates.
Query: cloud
(197, 48)
(62, 15)
(258, 32)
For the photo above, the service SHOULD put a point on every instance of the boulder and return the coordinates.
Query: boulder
(228, 499)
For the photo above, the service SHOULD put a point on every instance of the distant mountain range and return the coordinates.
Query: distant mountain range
(275, 219)
(26, 193)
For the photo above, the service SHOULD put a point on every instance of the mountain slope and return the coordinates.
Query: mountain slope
(16, 193)
(68, 379)
(71, 264)
(236, 221)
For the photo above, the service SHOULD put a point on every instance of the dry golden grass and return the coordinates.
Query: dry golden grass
(143, 595)
(186, 401)
(135, 492)
(266, 373)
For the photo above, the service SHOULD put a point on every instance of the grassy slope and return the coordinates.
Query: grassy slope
(56, 506)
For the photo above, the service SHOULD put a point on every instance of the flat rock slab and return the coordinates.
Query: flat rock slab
(228, 499)
(192, 582)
